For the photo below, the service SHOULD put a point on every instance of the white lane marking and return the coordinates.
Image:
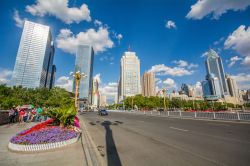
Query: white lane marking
(178, 129)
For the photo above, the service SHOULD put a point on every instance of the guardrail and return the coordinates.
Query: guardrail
(231, 116)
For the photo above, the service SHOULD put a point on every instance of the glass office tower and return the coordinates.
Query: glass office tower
(35, 56)
(84, 64)
(214, 66)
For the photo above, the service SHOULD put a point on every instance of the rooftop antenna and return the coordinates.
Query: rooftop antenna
(129, 48)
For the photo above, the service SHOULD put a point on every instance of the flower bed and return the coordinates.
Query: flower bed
(43, 136)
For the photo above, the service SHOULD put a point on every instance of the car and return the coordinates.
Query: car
(160, 110)
(103, 112)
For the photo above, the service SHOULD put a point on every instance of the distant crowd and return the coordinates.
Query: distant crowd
(19, 114)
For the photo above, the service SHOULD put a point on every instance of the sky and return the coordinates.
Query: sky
(170, 37)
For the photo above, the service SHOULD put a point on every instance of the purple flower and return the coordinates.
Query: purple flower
(47, 135)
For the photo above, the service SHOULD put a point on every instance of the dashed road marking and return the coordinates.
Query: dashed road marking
(178, 129)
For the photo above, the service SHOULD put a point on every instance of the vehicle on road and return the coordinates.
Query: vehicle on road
(103, 112)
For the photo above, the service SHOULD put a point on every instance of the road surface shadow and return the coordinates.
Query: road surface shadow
(112, 154)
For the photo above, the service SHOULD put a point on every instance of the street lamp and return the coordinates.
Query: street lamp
(78, 76)
(164, 92)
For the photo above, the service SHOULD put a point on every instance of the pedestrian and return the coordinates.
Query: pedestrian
(38, 114)
(33, 114)
(16, 115)
(21, 115)
(11, 116)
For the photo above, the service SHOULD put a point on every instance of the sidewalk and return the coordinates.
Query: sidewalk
(72, 155)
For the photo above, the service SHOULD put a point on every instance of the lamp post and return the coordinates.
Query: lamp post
(164, 91)
(78, 76)
(132, 102)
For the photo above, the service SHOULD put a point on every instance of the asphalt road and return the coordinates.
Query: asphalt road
(129, 139)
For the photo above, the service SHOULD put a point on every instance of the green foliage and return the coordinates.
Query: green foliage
(64, 115)
(43, 97)
(154, 102)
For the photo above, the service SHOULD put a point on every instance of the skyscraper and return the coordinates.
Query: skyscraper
(130, 75)
(34, 61)
(232, 87)
(53, 76)
(214, 66)
(84, 64)
(148, 84)
(211, 87)
(95, 94)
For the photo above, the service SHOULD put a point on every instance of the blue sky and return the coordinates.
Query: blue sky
(168, 36)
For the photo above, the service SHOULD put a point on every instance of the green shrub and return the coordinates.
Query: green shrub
(63, 116)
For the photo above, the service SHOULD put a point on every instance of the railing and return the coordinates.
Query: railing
(237, 116)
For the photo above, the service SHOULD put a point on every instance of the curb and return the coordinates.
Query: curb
(90, 149)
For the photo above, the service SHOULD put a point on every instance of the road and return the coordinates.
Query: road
(129, 139)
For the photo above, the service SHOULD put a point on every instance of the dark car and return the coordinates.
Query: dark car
(103, 112)
(161, 110)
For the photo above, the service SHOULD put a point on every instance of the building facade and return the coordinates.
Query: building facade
(130, 83)
(211, 88)
(84, 64)
(214, 66)
(232, 87)
(95, 94)
(148, 84)
(53, 76)
(34, 61)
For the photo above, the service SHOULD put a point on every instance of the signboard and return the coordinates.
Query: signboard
(211, 97)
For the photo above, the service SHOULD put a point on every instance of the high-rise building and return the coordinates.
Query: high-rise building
(188, 90)
(96, 94)
(211, 87)
(53, 76)
(148, 84)
(214, 66)
(103, 101)
(34, 61)
(130, 75)
(84, 64)
(232, 87)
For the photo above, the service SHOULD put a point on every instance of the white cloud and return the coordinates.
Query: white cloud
(109, 90)
(5, 76)
(170, 24)
(218, 41)
(98, 23)
(246, 61)
(98, 78)
(99, 39)
(243, 80)
(233, 60)
(18, 20)
(119, 36)
(182, 63)
(239, 40)
(162, 69)
(60, 9)
(203, 8)
(65, 82)
(170, 83)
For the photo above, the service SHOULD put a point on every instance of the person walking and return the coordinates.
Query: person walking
(21, 115)
(11, 116)
(15, 114)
